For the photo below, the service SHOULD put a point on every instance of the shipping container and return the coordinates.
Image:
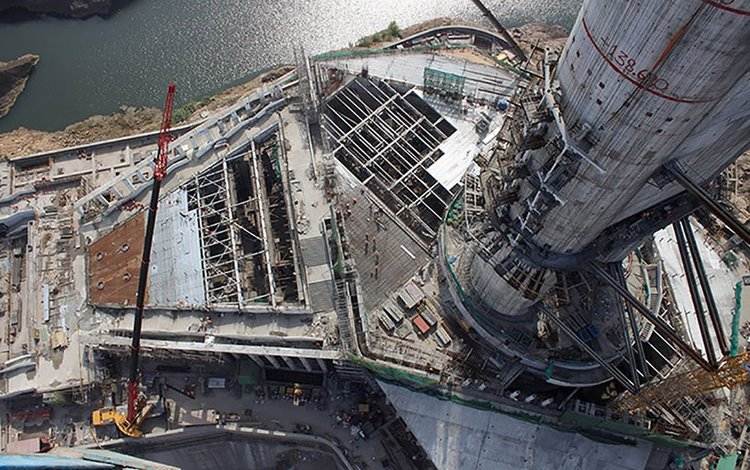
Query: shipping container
(420, 324)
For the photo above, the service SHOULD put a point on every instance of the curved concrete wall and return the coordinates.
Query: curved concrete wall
(640, 83)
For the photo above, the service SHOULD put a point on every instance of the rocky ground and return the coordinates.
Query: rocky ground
(13, 77)
(62, 8)
(195, 110)
(539, 34)
(386, 37)
(126, 121)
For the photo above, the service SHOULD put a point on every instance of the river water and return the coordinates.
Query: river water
(97, 65)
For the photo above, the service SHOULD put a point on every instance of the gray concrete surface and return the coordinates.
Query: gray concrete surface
(458, 437)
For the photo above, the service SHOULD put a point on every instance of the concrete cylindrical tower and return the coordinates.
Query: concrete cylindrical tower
(643, 83)
(639, 84)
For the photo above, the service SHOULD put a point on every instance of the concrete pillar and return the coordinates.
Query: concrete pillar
(306, 363)
(288, 361)
(322, 364)
(273, 360)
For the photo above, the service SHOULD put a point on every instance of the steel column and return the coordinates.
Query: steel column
(289, 362)
(619, 376)
(660, 325)
(274, 361)
(694, 294)
(716, 209)
(305, 362)
(628, 346)
(634, 328)
(713, 310)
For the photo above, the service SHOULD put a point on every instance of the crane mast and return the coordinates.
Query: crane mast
(160, 171)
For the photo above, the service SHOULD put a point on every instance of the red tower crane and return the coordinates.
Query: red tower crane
(138, 410)
(160, 171)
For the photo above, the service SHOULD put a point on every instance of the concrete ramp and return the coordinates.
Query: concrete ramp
(458, 437)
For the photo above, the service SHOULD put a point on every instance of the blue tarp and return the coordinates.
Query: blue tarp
(19, 462)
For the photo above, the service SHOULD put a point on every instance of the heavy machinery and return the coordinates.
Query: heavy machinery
(732, 371)
(138, 406)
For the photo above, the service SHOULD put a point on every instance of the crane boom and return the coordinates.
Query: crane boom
(160, 171)
(512, 44)
(732, 371)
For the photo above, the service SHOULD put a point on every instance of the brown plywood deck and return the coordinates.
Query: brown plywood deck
(113, 264)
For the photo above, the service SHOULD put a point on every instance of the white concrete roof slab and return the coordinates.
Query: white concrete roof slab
(176, 276)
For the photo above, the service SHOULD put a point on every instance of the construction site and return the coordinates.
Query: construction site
(467, 248)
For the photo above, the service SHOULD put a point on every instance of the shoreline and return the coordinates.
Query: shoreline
(14, 75)
(26, 10)
(132, 120)
(127, 121)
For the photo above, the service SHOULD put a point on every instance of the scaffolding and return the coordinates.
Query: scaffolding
(730, 182)
(732, 371)
(473, 198)
(227, 244)
(443, 82)
(273, 185)
(248, 244)
(307, 86)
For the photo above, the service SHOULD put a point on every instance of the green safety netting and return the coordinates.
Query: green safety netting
(366, 52)
(734, 343)
(443, 81)
(727, 462)
(611, 432)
